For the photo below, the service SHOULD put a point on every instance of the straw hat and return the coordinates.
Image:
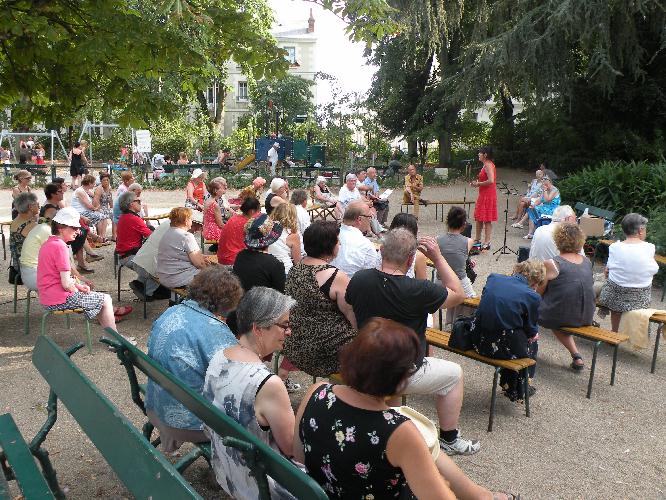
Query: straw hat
(425, 427)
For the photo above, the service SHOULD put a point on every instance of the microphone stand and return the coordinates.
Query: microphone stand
(505, 249)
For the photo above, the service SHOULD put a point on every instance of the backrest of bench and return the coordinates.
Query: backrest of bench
(142, 468)
(276, 466)
(596, 211)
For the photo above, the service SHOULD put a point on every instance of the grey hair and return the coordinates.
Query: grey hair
(221, 180)
(125, 201)
(562, 212)
(23, 201)
(632, 223)
(261, 306)
(398, 245)
(135, 186)
(276, 184)
(299, 196)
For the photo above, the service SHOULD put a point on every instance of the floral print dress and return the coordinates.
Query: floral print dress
(345, 448)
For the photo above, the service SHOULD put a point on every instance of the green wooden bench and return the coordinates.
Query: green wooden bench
(18, 464)
(143, 470)
(260, 458)
(596, 211)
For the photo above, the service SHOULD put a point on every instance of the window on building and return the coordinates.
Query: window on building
(291, 54)
(241, 95)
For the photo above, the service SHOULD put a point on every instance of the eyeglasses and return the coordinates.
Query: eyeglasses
(136, 200)
(368, 216)
(283, 326)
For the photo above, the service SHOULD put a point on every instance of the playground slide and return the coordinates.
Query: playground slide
(245, 162)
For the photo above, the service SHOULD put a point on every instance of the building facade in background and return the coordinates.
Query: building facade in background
(300, 43)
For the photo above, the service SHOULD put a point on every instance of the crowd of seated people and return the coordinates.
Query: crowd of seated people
(301, 289)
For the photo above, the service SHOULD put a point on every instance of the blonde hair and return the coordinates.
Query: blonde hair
(126, 175)
(569, 238)
(179, 215)
(534, 271)
(285, 214)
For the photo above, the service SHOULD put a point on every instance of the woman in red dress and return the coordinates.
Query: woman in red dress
(485, 211)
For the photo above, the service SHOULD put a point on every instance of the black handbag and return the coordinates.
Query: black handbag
(461, 337)
(14, 276)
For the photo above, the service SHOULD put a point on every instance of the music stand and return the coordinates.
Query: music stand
(505, 249)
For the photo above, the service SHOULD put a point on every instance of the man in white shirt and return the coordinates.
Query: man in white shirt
(543, 245)
(273, 157)
(356, 251)
(299, 198)
(349, 192)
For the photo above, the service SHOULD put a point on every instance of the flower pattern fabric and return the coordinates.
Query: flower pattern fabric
(345, 448)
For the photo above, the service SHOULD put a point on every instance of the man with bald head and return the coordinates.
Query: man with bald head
(356, 251)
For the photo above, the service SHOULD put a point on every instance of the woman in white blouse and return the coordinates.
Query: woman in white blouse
(630, 269)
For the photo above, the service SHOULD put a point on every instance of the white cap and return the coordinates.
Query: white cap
(351, 177)
(197, 173)
(276, 144)
(68, 216)
(197, 216)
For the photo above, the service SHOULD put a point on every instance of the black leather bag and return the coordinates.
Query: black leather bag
(461, 337)
(14, 276)
(469, 270)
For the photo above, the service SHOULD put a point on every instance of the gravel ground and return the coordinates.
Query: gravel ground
(610, 446)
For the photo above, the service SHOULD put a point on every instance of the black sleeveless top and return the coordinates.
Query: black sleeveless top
(267, 203)
(45, 207)
(345, 447)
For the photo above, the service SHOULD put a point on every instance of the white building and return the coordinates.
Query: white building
(300, 44)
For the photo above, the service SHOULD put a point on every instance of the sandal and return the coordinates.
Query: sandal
(517, 225)
(575, 366)
(485, 246)
(123, 311)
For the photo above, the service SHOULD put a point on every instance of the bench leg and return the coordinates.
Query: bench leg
(594, 365)
(120, 268)
(27, 312)
(88, 335)
(4, 248)
(526, 390)
(188, 459)
(493, 398)
(656, 347)
(145, 304)
(15, 296)
(614, 364)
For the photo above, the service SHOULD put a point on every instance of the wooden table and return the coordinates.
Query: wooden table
(156, 217)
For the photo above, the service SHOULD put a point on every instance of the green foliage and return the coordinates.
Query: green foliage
(619, 186)
(58, 55)
(657, 229)
(290, 96)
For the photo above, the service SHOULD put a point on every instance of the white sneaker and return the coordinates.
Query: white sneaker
(460, 446)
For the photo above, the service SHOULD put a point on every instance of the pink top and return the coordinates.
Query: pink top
(211, 230)
(53, 259)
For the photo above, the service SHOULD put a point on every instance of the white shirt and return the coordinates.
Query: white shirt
(631, 264)
(303, 219)
(273, 155)
(281, 251)
(146, 257)
(543, 245)
(356, 251)
(345, 197)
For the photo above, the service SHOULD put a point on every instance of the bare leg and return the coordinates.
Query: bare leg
(105, 316)
(448, 407)
(477, 230)
(568, 341)
(488, 231)
(531, 227)
(114, 228)
(522, 219)
(462, 486)
(79, 259)
(615, 320)
(101, 227)
(416, 200)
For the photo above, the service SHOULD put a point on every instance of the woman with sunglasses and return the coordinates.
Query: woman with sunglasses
(58, 290)
(23, 177)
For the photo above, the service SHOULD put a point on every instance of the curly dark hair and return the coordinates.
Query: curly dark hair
(216, 290)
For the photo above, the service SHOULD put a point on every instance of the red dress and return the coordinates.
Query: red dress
(486, 204)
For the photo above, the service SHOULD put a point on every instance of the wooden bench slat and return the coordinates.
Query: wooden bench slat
(439, 338)
(123, 446)
(28, 476)
(597, 334)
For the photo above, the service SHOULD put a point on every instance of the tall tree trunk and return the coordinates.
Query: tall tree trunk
(411, 149)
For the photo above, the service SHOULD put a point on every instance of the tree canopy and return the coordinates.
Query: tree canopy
(57, 55)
